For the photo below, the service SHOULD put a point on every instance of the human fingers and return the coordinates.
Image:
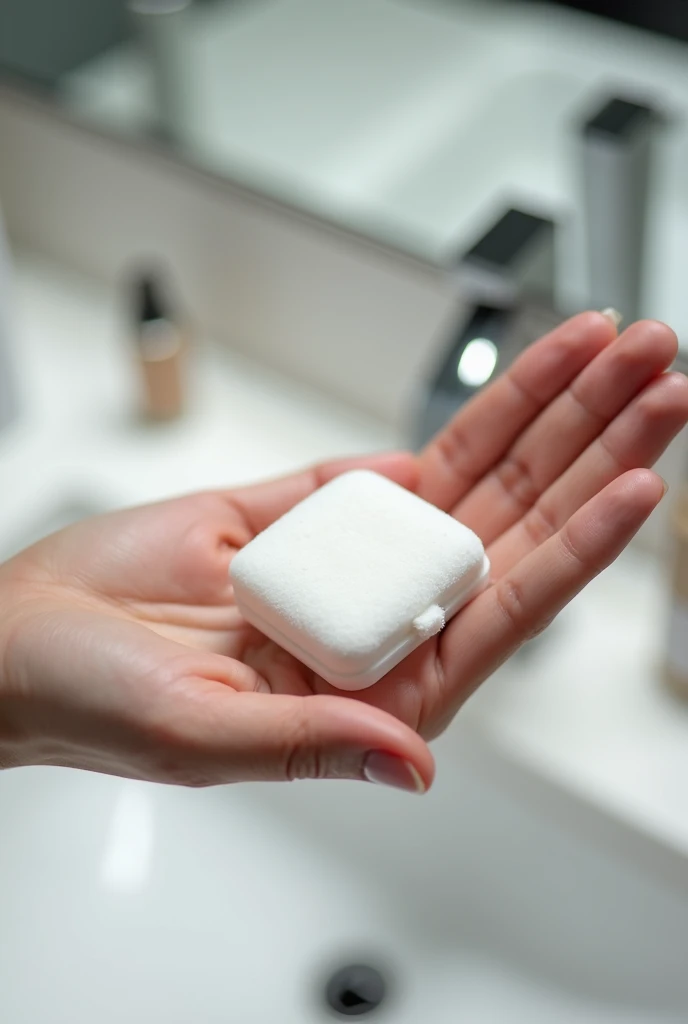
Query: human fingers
(566, 427)
(241, 737)
(635, 439)
(260, 504)
(525, 599)
(486, 427)
(95, 691)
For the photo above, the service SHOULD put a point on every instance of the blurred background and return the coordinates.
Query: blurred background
(237, 236)
(382, 200)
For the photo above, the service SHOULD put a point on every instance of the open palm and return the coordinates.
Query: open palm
(132, 613)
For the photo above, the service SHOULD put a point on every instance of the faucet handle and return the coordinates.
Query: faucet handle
(515, 255)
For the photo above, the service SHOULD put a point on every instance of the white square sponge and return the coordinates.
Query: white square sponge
(356, 576)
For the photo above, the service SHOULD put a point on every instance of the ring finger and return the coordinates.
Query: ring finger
(635, 439)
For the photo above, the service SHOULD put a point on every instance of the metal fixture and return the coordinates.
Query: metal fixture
(506, 286)
(618, 151)
(355, 990)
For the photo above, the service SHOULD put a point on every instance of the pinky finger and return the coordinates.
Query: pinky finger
(526, 599)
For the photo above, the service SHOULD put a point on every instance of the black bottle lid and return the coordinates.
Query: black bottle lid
(149, 298)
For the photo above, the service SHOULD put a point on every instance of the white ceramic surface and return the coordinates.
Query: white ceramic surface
(482, 902)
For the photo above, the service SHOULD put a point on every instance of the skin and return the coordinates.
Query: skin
(121, 650)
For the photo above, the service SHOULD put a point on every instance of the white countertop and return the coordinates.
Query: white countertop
(79, 429)
(584, 706)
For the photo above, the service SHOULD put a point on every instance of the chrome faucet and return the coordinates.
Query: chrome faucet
(506, 287)
(618, 141)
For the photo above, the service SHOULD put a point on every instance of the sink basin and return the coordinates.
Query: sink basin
(383, 151)
(489, 900)
(494, 898)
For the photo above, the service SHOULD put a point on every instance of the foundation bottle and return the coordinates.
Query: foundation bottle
(162, 346)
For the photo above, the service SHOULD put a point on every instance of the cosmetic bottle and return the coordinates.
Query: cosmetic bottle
(162, 345)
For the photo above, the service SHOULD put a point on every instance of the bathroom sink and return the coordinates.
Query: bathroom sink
(492, 899)
(496, 897)
(383, 151)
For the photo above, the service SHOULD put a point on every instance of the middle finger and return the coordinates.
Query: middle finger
(635, 439)
(566, 427)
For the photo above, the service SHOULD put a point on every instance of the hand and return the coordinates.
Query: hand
(121, 650)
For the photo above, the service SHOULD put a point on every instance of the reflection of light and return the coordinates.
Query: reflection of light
(477, 362)
(129, 842)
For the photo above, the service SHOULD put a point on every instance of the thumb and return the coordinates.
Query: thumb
(244, 737)
(260, 504)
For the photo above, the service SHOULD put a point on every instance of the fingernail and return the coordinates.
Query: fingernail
(388, 770)
(613, 315)
(666, 485)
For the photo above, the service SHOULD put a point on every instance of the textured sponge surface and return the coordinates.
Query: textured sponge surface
(342, 577)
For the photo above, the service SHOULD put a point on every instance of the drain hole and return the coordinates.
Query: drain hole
(355, 990)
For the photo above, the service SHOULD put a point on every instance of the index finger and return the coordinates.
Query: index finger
(486, 427)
